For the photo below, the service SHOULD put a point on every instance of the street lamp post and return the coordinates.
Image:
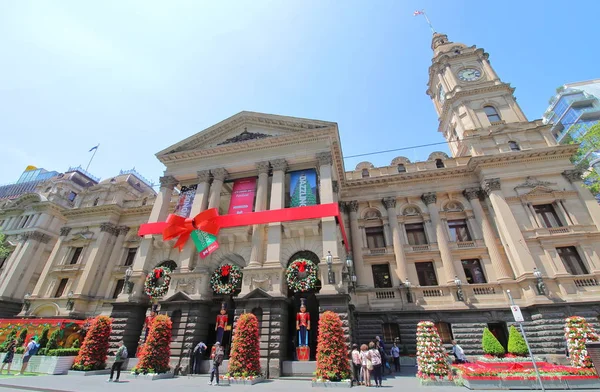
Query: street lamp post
(408, 293)
(459, 292)
(350, 265)
(26, 302)
(330, 274)
(70, 302)
(127, 285)
(541, 286)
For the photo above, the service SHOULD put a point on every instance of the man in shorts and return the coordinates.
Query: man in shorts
(30, 350)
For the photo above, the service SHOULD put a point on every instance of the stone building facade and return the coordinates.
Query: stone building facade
(443, 239)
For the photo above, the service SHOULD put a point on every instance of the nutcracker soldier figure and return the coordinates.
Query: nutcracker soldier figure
(222, 320)
(303, 327)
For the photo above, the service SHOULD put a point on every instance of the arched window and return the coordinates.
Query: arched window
(365, 173)
(492, 114)
(401, 168)
(514, 146)
(439, 164)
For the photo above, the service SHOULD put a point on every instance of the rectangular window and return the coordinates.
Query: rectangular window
(61, 288)
(445, 331)
(381, 276)
(473, 271)
(416, 234)
(375, 238)
(426, 274)
(72, 196)
(118, 288)
(391, 333)
(459, 232)
(130, 256)
(76, 255)
(571, 260)
(547, 215)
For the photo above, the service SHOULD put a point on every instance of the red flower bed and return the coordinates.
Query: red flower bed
(154, 355)
(245, 350)
(93, 352)
(332, 352)
(482, 371)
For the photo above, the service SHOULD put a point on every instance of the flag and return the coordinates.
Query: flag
(93, 148)
(416, 13)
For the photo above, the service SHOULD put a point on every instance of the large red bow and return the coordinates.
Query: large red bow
(301, 266)
(225, 270)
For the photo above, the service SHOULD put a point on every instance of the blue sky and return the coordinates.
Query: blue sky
(138, 76)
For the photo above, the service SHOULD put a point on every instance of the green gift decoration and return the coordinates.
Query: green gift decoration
(206, 243)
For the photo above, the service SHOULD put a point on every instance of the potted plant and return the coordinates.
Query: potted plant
(244, 361)
(332, 353)
(154, 356)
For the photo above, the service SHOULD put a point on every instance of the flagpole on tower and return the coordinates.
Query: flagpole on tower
(422, 12)
(93, 155)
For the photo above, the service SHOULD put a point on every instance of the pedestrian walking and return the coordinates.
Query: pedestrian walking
(366, 365)
(377, 364)
(356, 363)
(395, 351)
(31, 349)
(217, 358)
(458, 353)
(120, 357)
(8, 358)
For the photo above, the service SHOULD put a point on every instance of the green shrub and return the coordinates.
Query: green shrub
(76, 344)
(44, 338)
(516, 343)
(53, 341)
(42, 351)
(9, 338)
(491, 345)
(22, 337)
(63, 352)
(20, 350)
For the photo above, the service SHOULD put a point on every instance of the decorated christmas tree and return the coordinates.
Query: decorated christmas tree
(577, 333)
(154, 356)
(332, 352)
(491, 345)
(303, 194)
(245, 350)
(93, 352)
(432, 359)
(516, 343)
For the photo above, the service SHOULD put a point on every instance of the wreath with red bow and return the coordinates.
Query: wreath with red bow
(301, 275)
(226, 279)
(157, 282)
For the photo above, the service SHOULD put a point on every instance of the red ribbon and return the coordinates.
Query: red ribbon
(158, 273)
(211, 222)
(225, 270)
(301, 266)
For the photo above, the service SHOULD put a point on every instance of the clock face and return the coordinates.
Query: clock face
(469, 74)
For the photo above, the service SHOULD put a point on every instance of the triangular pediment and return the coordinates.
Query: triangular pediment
(257, 294)
(540, 190)
(245, 127)
(178, 296)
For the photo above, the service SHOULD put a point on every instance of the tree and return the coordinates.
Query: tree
(431, 356)
(53, 341)
(12, 335)
(22, 337)
(44, 337)
(578, 332)
(154, 355)
(76, 344)
(4, 246)
(244, 360)
(589, 143)
(332, 351)
(516, 343)
(491, 345)
(93, 352)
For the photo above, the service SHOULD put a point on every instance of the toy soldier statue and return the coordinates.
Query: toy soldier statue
(303, 326)
(222, 320)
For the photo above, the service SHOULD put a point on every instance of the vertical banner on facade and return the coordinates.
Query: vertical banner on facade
(303, 188)
(242, 196)
(186, 198)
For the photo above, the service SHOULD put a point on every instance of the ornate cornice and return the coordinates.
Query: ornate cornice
(168, 182)
(389, 202)
(490, 185)
(324, 158)
(472, 193)
(573, 175)
(109, 228)
(279, 165)
(429, 198)
(219, 174)
(244, 137)
(262, 167)
(64, 231)
(203, 176)
(123, 230)
(36, 236)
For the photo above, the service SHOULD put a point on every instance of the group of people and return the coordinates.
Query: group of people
(370, 361)
(30, 350)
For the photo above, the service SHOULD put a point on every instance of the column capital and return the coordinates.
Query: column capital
(123, 230)
(491, 184)
(472, 193)
(36, 236)
(351, 206)
(109, 228)
(429, 198)
(203, 176)
(573, 175)
(324, 158)
(279, 165)
(168, 182)
(64, 231)
(262, 167)
(219, 174)
(389, 202)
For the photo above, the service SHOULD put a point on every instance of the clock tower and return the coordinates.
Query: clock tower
(468, 95)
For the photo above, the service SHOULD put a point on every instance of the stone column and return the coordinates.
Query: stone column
(99, 252)
(515, 244)
(450, 75)
(219, 176)
(23, 261)
(401, 268)
(24, 278)
(277, 202)
(441, 234)
(200, 203)
(328, 225)
(258, 231)
(488, 68)
(586, 197)
(503, 270)
(160, 209)
(565, 216)
(116, 257)
(51, 263)
(473, 226)
(362, 272)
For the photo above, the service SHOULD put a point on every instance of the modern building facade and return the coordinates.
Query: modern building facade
(443, 239)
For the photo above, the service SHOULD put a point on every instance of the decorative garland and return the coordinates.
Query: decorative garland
(153, 286)
(226, 279)
(301, 275)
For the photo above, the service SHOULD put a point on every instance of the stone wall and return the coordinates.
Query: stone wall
(128, 321)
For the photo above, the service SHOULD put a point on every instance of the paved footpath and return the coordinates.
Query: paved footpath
(404, 382)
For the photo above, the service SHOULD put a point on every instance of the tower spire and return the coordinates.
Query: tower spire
(422, 12)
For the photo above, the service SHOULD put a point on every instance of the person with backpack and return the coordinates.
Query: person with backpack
(8, 358)
(197, 356)
(120, 357)
(31, 349)
(217, 358)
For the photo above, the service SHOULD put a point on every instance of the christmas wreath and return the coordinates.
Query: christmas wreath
(226, 279)
(301, 275)
(157, 282)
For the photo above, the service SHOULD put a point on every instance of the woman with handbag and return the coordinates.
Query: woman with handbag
(366, 364)
(377, 364)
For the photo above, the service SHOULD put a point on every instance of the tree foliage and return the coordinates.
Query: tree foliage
(4, 246)
(491, 345)
(12, 335)
(516, 343)
(22, 337)
(44, 337)
(53, 341)
(589, 143)
(245, 350)
(332, 351)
